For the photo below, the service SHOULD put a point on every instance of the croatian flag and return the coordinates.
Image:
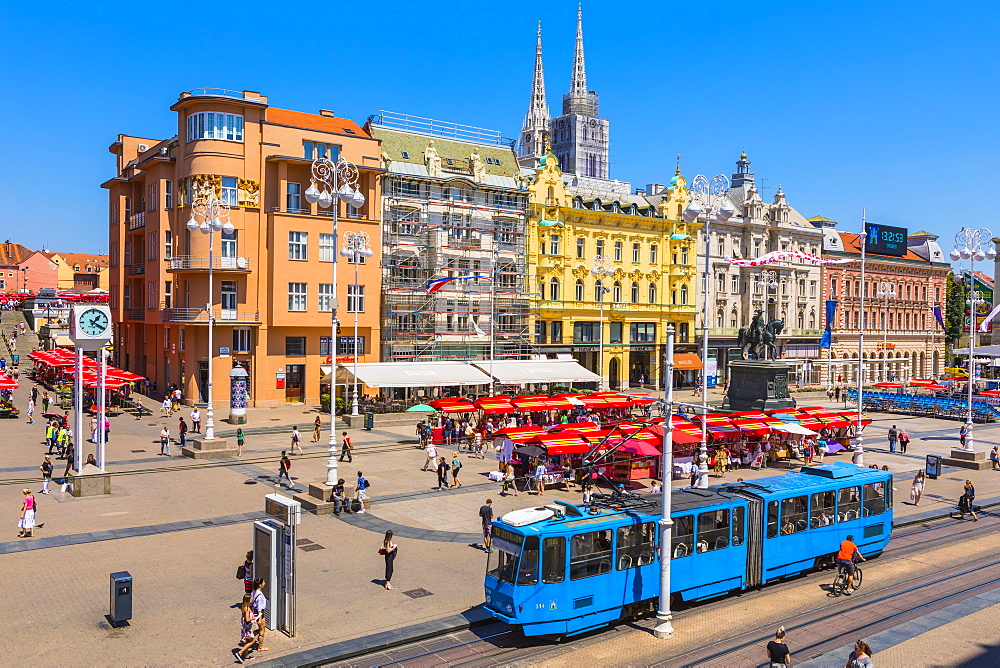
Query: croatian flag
(438, 283)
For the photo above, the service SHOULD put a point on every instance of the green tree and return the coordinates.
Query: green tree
(954, 311)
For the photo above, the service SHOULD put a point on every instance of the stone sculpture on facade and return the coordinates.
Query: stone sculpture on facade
(477, 166)
(433, 161)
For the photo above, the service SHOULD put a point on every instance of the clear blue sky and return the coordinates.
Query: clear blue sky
(885, 105)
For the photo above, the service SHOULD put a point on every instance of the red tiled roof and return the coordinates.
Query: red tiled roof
(11, 254)
(301, 119)
(852, 244)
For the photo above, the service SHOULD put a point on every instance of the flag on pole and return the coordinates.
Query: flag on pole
(831, 311)
(938, 317)
(438, 283)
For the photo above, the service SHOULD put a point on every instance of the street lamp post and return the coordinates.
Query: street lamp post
(337, 181)
(664, 629)
(709, 199)
(974, 246)
(768, 279)
(214, 215)
(886, 290)
(357, 248)
(601, 270)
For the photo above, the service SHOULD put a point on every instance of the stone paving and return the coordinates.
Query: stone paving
(155, 524)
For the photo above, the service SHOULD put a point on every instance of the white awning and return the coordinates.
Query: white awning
(985, 351)
(520, 372)
(416, 374)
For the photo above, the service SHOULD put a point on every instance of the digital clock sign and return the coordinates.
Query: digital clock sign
(885, 240)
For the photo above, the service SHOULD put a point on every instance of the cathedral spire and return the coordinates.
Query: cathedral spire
(536, 121)
(578, 84)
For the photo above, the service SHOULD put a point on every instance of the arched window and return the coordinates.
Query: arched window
(734, 319)
(554, 289)
(720, 319)
(652, 293)
(616, 292)
(599, 290)
(801, 320)
(684, 295)
(579, 290)
(635, 292)
(812, 320)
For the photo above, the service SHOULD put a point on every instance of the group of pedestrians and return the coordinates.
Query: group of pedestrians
(780, 656)
(440, 464)
(898, 438)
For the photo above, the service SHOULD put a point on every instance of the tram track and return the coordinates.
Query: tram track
(496, 644)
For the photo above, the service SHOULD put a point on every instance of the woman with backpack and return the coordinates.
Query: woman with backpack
(442, 471)
(247, 573)
(456, 466)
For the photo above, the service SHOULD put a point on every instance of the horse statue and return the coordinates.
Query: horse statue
(759, 338)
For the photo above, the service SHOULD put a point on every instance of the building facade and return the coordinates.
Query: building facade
(80, 271)
(453, 205)
(902, 339)
(272, 275)
(735, 293)
(650, 253)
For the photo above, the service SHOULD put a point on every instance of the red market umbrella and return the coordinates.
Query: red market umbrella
(892, 385)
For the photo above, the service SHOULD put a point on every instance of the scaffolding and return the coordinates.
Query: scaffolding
(435, 230)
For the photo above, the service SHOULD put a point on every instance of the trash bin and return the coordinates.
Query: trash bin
(369, 421)
(932, 468)
(121, 597)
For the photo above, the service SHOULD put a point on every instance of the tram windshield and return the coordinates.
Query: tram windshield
(502, 561)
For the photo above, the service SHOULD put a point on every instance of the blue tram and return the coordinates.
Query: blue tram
(564, 569)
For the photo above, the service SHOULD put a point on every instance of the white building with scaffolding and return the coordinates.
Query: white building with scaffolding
(454, 205)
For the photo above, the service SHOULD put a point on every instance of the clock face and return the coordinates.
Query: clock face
(94, 322)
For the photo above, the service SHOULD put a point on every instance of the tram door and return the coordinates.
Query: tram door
(755, 539)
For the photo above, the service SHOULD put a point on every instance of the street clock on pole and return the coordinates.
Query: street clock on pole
(90, 326)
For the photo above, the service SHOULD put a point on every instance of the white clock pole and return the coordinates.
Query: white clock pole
(77, 439)
(102, 410)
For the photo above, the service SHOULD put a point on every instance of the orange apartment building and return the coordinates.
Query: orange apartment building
(272, 275)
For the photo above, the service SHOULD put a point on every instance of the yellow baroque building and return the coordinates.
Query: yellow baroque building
(645, 256)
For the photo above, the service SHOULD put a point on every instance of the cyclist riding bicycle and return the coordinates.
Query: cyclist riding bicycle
(845, 559)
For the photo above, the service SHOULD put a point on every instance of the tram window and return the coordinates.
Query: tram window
(528, 573)
(824, 509)
(874, 498)
(590, 555)
(713, 530)
(502, 560)
(738, 525)
(888, 494)
(636, 545)
(849, 504)
(794, 515)
(553, 560)
(772, 519)
(682, 536)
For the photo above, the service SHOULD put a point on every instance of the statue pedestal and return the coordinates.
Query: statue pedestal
(759, 385)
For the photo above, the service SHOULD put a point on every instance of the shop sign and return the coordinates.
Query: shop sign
(279, 380)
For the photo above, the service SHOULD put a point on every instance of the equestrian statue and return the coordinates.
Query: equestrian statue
(759, 338)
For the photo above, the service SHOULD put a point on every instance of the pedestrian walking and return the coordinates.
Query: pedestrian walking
(46, 469)
(296, 435)
(317, 425)
(182, 429)
(248, 573)
(456, 465)
(34, 394)
(196, 420)
(70, 454)
(431, 453)
(478, 444)
(442, 471)
(93, 430)
(50, 436)
(345, 447)
(107, 430)
(361, 492)
(27, 521)
(248, 625)
(965, 502)
(893, 438)
(421, 434)
(995, 457)
(258, 604)
(861, 657)
(917, 488)
(283, 465)
(904, 440)
(166, 408)
(777, 650)
(388, 551)
(486, 515)
(540, 473)
(31, 411)
(165, 441)
(240, 438)
(962, 434)
(45, 403)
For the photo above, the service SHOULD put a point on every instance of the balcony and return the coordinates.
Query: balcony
(200, 263)
(136, 313)
(137, 221)
(136, 269)
(197, 316)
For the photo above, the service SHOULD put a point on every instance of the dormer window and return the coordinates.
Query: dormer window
(406, 155)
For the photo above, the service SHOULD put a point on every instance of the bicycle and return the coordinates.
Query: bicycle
(840, 582)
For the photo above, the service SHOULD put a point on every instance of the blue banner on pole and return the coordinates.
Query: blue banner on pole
(831, 310)
(938, 316)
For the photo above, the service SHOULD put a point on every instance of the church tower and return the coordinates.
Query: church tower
(579, 136)
(531, 146)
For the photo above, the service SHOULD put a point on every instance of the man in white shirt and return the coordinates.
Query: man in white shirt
(431, 460)
(195, 420)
